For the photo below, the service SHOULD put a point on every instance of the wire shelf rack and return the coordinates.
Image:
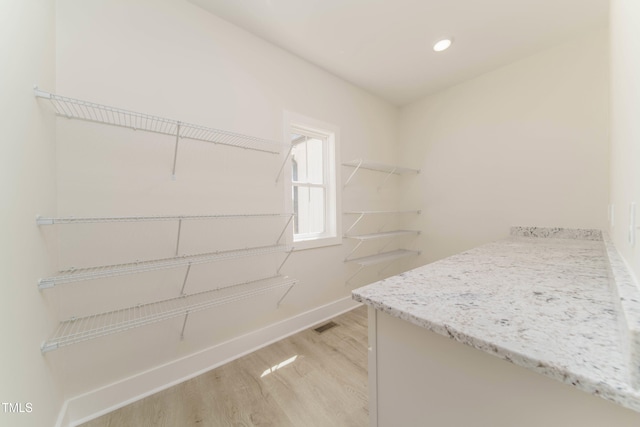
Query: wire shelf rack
(89, 111)
(77, 220)
(361, 238)
(382, 235)
(362, 214)
(378, 167)
(81, 329)
(382, 212)
(379, 258)
(90, 273)
(383, 257)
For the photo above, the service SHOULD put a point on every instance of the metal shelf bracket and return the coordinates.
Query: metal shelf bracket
(284, 162)
(284, 260)
(186, 276)
(355, 222)
(357, 168)
(184, 324)
(285, 228)
(178, 237)
(284, 295)
(175, 152)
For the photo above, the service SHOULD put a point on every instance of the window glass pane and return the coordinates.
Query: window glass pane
(307, 157)
(309, 209)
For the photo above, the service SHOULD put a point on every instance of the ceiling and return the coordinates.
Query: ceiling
(385, 46)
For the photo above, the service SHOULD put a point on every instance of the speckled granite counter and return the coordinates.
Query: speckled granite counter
(544, 299)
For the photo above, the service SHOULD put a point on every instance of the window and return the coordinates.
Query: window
(313, 193)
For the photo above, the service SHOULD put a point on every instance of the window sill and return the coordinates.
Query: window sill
(302, 245)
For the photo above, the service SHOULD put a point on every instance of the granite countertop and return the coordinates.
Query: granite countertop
(557, 301)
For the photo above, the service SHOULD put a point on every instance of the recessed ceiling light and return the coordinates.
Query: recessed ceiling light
(441, 45)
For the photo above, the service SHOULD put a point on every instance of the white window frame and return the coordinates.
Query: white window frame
(333, 224)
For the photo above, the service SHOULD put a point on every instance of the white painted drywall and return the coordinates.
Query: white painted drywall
(545, 115)
(526, 144)
(172, 59)
(625, 123)
(28, 187)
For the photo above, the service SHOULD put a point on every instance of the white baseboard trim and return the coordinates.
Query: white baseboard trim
(90, 405)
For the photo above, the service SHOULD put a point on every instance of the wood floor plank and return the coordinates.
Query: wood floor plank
(309, 379)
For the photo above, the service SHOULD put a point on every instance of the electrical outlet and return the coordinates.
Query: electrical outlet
(612, 216)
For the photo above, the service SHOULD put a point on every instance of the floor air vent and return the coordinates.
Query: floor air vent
(323, 328)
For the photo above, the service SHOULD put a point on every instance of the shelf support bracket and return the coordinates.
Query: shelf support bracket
(41, 93)
(285, 228)
(353, 250)
(384, 247)
(284, 162)
(184, 283)
(386, 178)
(184, 324)
(284, 261)
(285, 294)
(382, 227)
(354, 275)
(175, 152)
(45, 284)
(384, 268)
(44, 221)
(47, 346)
(353, 173)
(178, 239)
(355, 223)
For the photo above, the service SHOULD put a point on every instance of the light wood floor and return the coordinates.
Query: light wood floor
(308, 379)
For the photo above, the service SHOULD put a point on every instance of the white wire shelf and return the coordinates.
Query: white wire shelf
(382, 212)
(362, 214)
(89, 111)
(382, 235)
(81, 274)
(383, 257)
(77, 220)
(81, 329)
(361, 238)
(378, 167)
(390, 256)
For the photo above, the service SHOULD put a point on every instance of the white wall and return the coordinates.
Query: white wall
(547, 114)
(173, 59)
(625, 123)
(526, 144)
(28, 187)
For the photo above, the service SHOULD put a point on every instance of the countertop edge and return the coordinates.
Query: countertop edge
(621, 397)
(627, 297)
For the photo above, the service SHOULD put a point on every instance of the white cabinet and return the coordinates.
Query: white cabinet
(419, 378)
